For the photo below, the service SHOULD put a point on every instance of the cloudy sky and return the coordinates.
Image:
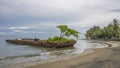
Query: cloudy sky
(40, 17)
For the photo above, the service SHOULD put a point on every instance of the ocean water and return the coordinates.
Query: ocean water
(12, 53)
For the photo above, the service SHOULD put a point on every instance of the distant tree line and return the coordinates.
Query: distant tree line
(109, 32)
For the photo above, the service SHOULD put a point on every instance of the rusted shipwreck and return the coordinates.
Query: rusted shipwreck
(41, 43)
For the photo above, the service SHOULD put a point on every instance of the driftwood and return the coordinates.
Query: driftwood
(42, 43)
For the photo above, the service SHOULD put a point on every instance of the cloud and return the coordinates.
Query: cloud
(19, 28)
(20, 31)
(44, 15)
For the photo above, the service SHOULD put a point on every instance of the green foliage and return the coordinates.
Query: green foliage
(112, 31)
(94, 32)
(65, 31)
(59, 39)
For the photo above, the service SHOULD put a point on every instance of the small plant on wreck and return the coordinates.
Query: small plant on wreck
(64, 32)
(59, 39)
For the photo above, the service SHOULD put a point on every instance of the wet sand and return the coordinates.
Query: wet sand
(100, 58)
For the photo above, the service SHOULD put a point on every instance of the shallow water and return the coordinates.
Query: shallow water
(11, 53)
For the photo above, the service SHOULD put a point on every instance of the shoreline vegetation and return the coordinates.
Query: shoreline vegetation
(109, 32)
(55, 42)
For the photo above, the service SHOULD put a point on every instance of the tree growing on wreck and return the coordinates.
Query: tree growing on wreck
(65, 31)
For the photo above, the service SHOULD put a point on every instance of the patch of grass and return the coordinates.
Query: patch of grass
(59, 39)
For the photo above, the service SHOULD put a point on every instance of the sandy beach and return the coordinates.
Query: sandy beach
(100, 58)
(91, 58)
